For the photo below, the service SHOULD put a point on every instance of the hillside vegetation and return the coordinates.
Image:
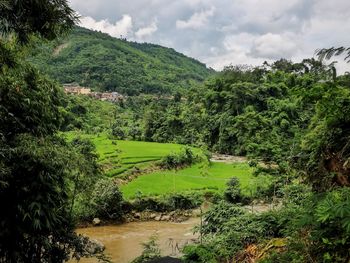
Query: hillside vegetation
(104, 63)
(88, 114)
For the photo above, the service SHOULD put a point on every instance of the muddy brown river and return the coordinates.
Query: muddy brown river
(123, 242)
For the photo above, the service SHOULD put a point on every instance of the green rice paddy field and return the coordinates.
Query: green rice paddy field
(118, 157)
(195, 177)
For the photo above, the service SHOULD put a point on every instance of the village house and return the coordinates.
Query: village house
(74, 88)
(111, 96)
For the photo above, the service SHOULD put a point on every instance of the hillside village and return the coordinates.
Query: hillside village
(76, 89)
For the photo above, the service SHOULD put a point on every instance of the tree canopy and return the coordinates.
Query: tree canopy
(39, 172)
(104, 63)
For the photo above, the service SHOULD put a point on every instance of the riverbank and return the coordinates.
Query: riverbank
(123, 242)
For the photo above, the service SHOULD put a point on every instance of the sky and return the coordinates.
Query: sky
(224, 32)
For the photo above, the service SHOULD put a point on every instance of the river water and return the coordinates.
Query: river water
(123, 242)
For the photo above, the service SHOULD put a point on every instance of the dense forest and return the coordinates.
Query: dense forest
(67, 160)
(104, 63)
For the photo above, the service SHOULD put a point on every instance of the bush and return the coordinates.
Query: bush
(198, 254)
(118, 133)
(233, 193)
(219, 214)
(180, 201)
(150, 251)
(107, 200)
(184, 158)
(213, 196)
(150, 203)
(295, 193)
(228, 229)
(167, 203)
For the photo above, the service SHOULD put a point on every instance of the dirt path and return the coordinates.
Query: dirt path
(225, 158)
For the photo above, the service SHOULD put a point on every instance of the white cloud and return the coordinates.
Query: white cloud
(122, 27)
(197, 20)
(148, 30)
(226, 31)
(241, 42)
(274, 46)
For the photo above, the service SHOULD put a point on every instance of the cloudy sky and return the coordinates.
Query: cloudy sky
(223, 32)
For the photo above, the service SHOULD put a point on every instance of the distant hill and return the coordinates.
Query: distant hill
(99, 61)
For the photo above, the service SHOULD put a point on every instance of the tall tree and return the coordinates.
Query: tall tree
(46, 18)
(36, 166)
(328, 53)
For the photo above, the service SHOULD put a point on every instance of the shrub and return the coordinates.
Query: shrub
(232, 193)
(184, 158)
(199, 254)
(228, 229)
(150, 251)
(168, 203)
(107, 200)
(295, 193)
(219, 214)
(118, 131)
(180, 201)
(150, 203)
(213, 196)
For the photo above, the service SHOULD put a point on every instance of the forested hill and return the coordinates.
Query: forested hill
(99, 61)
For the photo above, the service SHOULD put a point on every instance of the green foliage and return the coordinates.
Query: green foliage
(328, 53)
(106, 200)
(318, 229)
(24, 94)
(40, 173)
(48, 19)
(325, 148)
(150, 251)
(38, 170)
(218, 215)
(232, 193)
(184, 158)
(86, 114)
(118, 132)
(199, 253)
(228, 229)
(99, 61)
(169, 202)
(83, 183)
(34, 199)
(295, 193)
(259, 112)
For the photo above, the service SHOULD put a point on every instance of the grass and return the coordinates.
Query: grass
(118, 157)
(197, 177)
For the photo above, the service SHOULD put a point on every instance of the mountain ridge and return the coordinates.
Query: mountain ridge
(105, 63)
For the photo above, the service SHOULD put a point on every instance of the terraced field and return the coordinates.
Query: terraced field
(118, 157)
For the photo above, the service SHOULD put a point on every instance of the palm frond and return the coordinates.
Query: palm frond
(328, 53)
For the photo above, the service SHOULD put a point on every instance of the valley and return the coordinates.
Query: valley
(117, 150)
